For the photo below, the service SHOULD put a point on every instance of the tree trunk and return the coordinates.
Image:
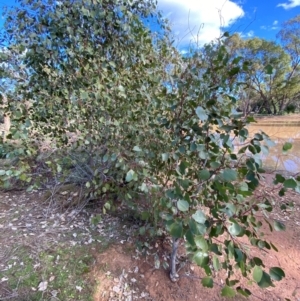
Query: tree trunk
(173, 274)
(6, 117)
(6, 126)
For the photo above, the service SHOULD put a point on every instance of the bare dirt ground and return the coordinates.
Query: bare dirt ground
(118, 269)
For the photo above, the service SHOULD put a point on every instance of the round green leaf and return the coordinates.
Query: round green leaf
(204, 174)
(287, 146)
(257, 273)
(165, 157)
(234, 229)
(243, 186)
(201, 242)
(277, 273)
(257, 261)
(279, 179)
(265, 281)
(183, 205)
(199, 217)
(129, 175)
(201, 114)
(176, 230)
(227, 292)
(290, 183)
(137, 149)
(230, 209)
(201, 258)
(190, 238)
(207, 282)
(229, 175)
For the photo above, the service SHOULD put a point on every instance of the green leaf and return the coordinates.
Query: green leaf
(229, 175)
(165, 157)
(281, 192)
(227, 292)
(274, 247)
(243, 292)
(287, 146)
(290, 183)
(234, 229)
(207, 269)
(204, 174)
(238, 255)
(215, 164)
(279, 179)
(201, 258)
(199, 217)
(257, 273)
(243, 186)
(257, 261)
(184, 183)
(279, 226)
(216, 263)
(2, 172)
(142, 230)
(183, 205)
(276, 273)
(234, 71)
(190, 238)
(230, 210)
(261, 244)
(265, 281)
(183, 166)
(269, 69)
(59, 169)
(137, 149)
(215, 248)
(207, 282)
(201, 113)
(176, 229)
(130, 175)
(201, 243)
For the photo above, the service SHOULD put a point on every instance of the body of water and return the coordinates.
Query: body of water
(281, 129)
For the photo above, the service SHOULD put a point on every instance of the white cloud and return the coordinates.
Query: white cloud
(199, 20)
(270, 27)
(248, 34)
(290, 4)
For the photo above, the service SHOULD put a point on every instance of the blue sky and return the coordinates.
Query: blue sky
(201, 19)
(261, 18)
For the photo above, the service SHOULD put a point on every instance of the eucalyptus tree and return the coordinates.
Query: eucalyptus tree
(269, 81)
(165, 123)
(289, 38)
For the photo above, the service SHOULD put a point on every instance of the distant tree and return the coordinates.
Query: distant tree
(289, 37)
(270, 80)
